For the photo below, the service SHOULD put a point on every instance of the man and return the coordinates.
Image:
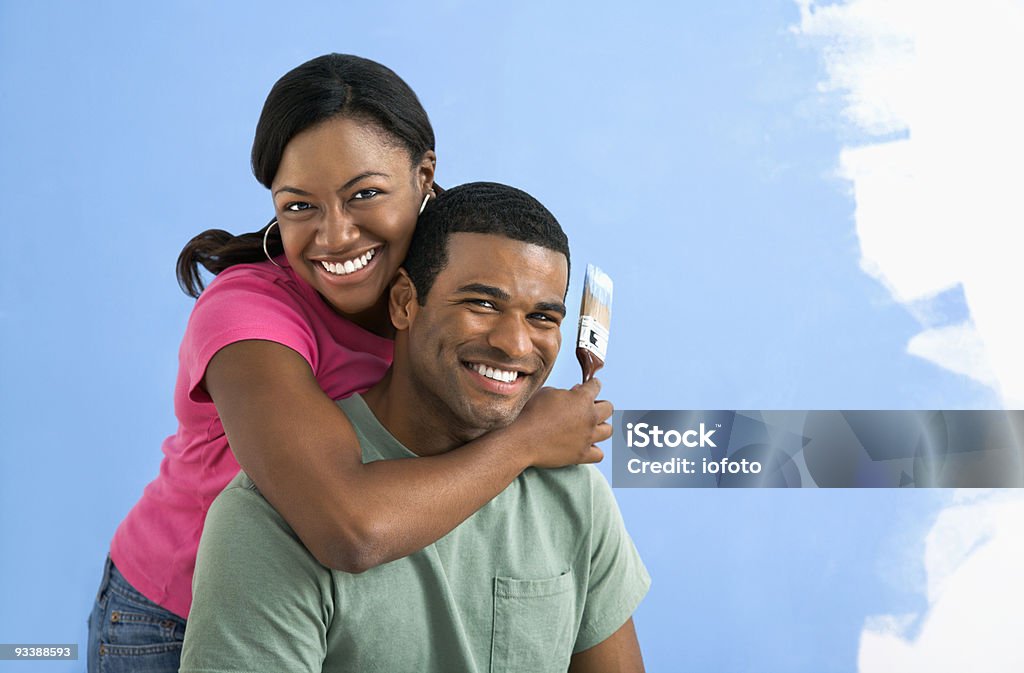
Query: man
(542, 578)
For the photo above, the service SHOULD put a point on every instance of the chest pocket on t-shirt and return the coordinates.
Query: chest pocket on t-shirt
(534, 624)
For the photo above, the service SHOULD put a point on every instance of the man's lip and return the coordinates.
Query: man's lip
(522, 371)
(494, 385)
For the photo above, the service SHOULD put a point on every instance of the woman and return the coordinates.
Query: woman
(295, 319)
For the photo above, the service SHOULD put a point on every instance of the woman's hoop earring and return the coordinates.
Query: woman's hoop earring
(423, 206)
(265, 251)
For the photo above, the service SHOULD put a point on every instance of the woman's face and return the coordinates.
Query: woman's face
(347, 197)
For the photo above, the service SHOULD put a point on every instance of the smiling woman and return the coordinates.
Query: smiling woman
(343, 196)
(296, 319)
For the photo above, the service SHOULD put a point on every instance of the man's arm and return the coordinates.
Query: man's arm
(618, 653)
(616, 583)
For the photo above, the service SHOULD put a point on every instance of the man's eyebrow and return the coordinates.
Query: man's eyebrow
(489, 290)
(361, 176)
(552, 306)
(496, 292)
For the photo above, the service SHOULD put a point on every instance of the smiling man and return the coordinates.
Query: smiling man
(542, 578)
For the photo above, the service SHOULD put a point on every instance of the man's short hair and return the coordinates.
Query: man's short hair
(477, 208)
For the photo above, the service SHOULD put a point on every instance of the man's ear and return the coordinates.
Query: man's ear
(425, 171)
(402, 304)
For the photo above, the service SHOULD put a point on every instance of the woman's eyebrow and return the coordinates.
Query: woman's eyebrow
(291, 190)
(362, 176)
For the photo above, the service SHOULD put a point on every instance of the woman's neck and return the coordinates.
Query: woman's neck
(375, 319)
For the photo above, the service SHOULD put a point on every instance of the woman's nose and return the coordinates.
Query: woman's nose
(337, 229)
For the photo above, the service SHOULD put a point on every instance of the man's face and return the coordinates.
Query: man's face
(488, 335)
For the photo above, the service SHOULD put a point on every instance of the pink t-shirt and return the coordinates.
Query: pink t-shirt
(155, 546)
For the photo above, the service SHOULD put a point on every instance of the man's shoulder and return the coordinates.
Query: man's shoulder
(577, 496)
(574, 481)
(243, 482)
(241, 487)
(242, 504)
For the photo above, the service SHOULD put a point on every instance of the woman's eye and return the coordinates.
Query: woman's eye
(366, 194)
(297, 206)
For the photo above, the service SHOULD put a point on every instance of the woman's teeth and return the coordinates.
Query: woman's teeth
(347, 267)
(496, 374)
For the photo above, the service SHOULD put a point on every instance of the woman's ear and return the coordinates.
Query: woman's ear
(402, 304)
(425, 172)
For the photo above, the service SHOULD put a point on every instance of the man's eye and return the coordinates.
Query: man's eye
(543, 317)
(482, 303)
(363, 194)
(297, 206)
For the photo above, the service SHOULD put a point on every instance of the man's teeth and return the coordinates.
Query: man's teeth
(345, 268)
(496, 374)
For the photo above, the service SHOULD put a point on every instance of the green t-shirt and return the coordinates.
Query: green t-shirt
(543, 570)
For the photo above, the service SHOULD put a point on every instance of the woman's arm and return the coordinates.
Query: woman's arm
(301, 451)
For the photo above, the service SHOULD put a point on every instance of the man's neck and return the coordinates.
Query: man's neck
(419, 424)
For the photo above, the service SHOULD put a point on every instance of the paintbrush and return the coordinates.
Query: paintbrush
(595, 321)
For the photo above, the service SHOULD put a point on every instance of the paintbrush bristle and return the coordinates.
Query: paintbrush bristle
(595, 319)
(597, 296)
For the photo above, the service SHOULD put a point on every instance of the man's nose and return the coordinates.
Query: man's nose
(337, 229)
(511, 335)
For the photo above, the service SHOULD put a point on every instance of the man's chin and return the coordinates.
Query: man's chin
(486, 419)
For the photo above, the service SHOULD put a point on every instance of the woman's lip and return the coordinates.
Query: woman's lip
(348, 278)
(347, 257)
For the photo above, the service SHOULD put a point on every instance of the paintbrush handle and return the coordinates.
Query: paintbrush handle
(590, 363)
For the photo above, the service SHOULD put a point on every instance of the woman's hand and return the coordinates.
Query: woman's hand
(561, 427)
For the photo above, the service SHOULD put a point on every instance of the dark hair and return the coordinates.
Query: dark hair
(334, 85)
(477, 208)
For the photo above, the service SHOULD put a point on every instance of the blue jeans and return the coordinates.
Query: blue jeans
(130, 633)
